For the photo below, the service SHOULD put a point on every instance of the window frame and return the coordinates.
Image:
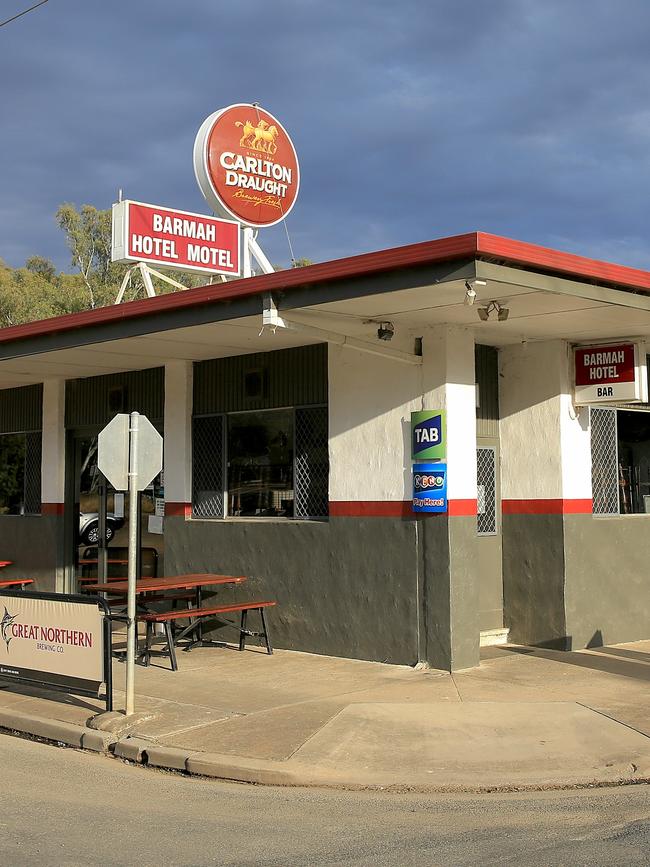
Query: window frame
(615, 410)
(28, 472)
(224, 416)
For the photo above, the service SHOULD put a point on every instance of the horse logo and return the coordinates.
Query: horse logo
(259, 138)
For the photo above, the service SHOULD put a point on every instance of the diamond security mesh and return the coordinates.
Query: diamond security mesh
(311, 478)
(33, 473)
(207, 467)
(604, 459)
(486, 518)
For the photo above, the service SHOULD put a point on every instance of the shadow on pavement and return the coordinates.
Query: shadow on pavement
(609, 660)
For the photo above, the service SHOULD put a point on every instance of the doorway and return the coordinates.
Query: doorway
(488, 526)
(488, 472)
(98, 517)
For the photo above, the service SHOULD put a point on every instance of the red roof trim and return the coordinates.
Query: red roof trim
(563, 263)
(472, 244)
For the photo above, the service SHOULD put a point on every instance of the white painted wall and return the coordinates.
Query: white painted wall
(545, 445)
(449, 382)
(53, 442)
(370, 405)
(178, 431)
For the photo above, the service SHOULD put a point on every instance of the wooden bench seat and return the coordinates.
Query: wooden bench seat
(195, 615)
(16, 582)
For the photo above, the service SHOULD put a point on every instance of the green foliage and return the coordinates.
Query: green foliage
(38, 292)
(42, 267)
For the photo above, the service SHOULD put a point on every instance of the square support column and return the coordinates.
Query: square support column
(449, 621)
(53, 471)
(178, 437)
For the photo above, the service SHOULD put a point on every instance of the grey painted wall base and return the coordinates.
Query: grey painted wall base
(607, 595)
(344, 587)
(533, 579)
(576, 581)
(450, 602)
(33, 543)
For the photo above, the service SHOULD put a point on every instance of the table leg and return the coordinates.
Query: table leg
(199, 597)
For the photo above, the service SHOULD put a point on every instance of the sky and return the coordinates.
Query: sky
(412, 120)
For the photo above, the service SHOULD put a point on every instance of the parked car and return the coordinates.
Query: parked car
(89, 527)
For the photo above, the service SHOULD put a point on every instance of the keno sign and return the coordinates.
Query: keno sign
(609, 374)
(175, 239)
(246, 165)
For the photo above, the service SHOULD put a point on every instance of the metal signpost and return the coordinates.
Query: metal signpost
(130, 455)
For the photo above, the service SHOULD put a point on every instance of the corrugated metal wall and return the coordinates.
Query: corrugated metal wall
(94, 401)
(289, 377)
(486, 359)
(21, 409)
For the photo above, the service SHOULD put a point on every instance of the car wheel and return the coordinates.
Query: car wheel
(91, 534)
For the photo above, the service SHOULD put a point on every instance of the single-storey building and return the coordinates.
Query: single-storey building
(285, 404)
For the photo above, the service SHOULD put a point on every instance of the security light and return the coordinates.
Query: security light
(493, 307)
(385, 331)
(470, 290)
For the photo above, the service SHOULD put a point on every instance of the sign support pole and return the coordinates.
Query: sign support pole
(132, 627)
(252, 250)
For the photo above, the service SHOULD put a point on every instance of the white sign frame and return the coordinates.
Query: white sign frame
(120, 239)
(613, 393)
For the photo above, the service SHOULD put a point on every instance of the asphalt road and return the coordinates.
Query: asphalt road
(62, 807)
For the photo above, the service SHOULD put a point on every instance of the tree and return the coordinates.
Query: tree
(88, 234)
(42, 267)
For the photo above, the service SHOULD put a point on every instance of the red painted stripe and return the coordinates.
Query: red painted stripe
(178, 510)
(462, 508)
(546, 507)
(52, 508)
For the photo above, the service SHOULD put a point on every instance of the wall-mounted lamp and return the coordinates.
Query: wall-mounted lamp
(493, 307)
(470, 290)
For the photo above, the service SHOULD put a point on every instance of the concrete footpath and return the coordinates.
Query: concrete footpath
(526, 718)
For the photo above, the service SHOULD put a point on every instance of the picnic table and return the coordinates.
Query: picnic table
(171, 582)
(93, 562)
(154, 586)
(16, 582)
(4, 563)
(149, 589)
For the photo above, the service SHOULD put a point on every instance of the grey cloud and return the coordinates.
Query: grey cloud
(412, 120)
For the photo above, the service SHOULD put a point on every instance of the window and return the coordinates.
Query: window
(263, 463)
(20, 474)
(620, 461)
(486, 483)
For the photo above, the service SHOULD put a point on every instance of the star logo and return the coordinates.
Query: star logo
(5, 623)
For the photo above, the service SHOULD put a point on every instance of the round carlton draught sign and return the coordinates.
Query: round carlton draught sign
(246, 165)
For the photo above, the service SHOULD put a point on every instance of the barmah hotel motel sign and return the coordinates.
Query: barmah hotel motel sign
(247, 169)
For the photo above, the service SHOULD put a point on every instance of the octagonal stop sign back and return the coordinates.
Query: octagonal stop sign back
(115, 446)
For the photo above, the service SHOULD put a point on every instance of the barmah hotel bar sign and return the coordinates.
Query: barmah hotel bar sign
(610, 374)
(247, 169)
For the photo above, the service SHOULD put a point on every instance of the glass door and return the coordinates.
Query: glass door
(101, 517)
